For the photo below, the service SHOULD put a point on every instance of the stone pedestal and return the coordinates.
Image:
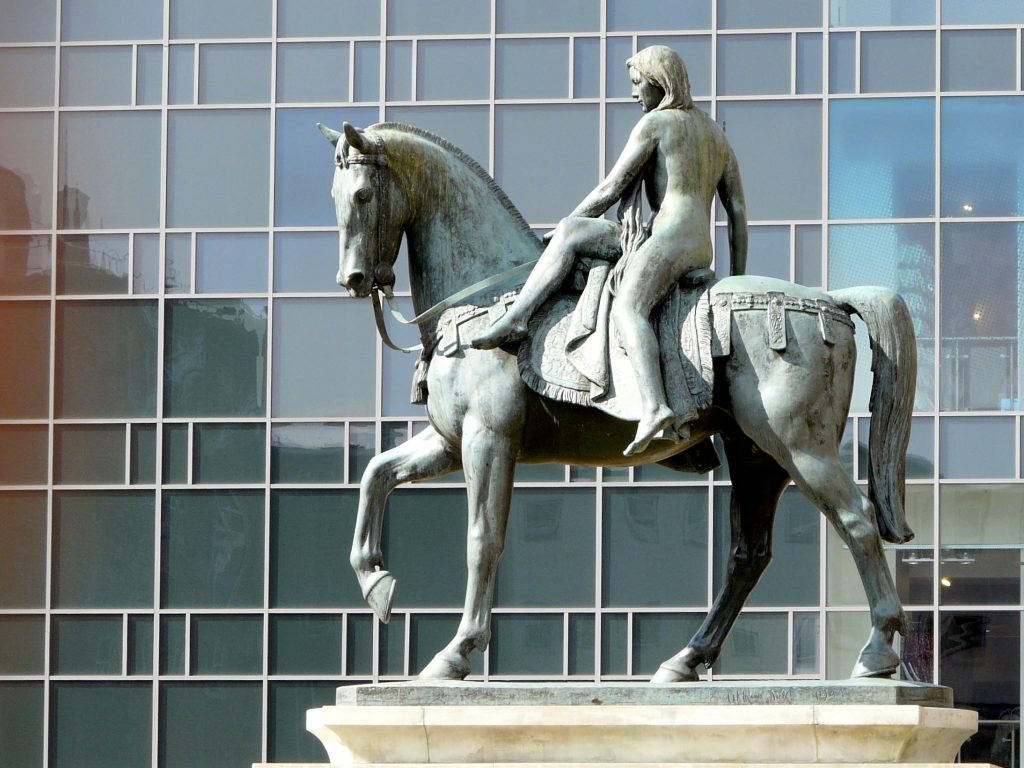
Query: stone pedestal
(464, 725)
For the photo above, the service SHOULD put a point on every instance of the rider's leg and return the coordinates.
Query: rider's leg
(574, 236)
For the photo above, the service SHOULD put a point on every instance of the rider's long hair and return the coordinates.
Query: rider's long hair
(664, 67)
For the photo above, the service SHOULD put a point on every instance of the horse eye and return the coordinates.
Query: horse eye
(364, 194)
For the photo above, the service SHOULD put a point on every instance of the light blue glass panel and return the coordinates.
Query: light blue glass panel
(210, 725)
(29, 21)
(234, 262)
(882, 158)
(458, 69)
(667, 530)
(178, 263)
(399, 76)
(639, 15)
(86, 645)
(659, 636)
(181, 67)
(398, 368)
(755, 14)
(305, 644)
(896, 256)
(150, 75)
(24, 644)
(95, 76)
(543, 16)
(979, 60)
(881, 13)
(25, 327)
(23, 568)
(106, 359)
(109, 170)
(24, 451)
(985, 12)
(807, 269)
(305, 165)
(897, 61)
(312, 72)
(757, 645)
(467, 126)
(695, 51)
(28, 77)
(306, 261)
(146, 263)
(220, 18)
(366, 79)
(586, 72)
(532, 69)
(778, 145)
(24, 264)
(528, 170)
(981, 156)
(753, 64)
(101, 724)
(234, 73)
(226, 645)
(307, 453)
(235, 142)
(26, 170)
(215, 358)
(769, 252)
(103, 549)
(323, 358)
(112, 20)
(808, 63)
(842, 63)
(617, 50)
(89, 454)
(92, 263)
(460, 17)
(287, 704)
(229, 453)
(319, 18)
(526, 644)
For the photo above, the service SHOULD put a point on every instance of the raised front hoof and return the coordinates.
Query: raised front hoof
(379, 593)
(668, 673)
(446, 666)
(876, 663)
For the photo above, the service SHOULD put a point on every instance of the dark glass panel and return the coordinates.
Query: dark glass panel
(229, 453)
(89, 454)
(391, 641)
(26, 170)
(86, 645)
(140, 645)
(100, 724)
(23, 641)
(25, 329)
(526, 644)
(659, 636)
(287, 737)
(210, 725)
(806, 631)
(92, 264)
(24, 264)
(359, 645)
(307, 453)
(142, 463)
(176, 447)
(305, 645)
(581, 644)
(172, 645)
(428, 634)
(23, 550)
(24, 450)
(614, 643)
(980, 660)
(226, 645)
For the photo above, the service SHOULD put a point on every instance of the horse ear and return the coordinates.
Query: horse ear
(355, 139)
(331, 134)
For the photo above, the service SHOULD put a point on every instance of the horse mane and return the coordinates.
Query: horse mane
(466, 160)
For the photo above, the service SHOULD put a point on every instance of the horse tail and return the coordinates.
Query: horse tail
(894, 363)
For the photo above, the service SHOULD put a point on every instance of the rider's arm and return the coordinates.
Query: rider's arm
(634, 157)
(730, 191)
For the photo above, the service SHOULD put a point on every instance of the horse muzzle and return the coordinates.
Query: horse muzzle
(356, 283)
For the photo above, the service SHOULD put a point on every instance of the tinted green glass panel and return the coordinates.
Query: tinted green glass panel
(659, 636)
(175, 468)
(361, 448)
(24, 264)
(305, 645)
(307, 453)
(28, 77)
(309, 531)
(142, 467)
(212, 544)
(95, 75)
(86, 645)
(140, 645)
(210, 725)
(106, 359)
(103, 549)
(92, 264)
(581, 644)
(805, 643)
(234, 73)
(25, 329)
(428, 635)
(101, 724)
(614, 643)
(359, 645)
(23, 548)
(22, 645)
(21, 712)
(172, 645)
(23, 454)
(112, 20)
(757, 645)
(215, 358)
(229, 453)
(525, 644)
(89, 454)
(227, 645)
(220, 18)
(288, 739)
(391, 641)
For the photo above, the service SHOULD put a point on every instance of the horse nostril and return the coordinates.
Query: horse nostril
(354, 280)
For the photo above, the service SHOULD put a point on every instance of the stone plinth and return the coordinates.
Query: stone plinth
(466, 725)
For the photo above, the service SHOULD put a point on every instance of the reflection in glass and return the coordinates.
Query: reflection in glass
(307, 453)
(234, 262)
(178, 263)
(146, 263)
(362, 446)
(234, 73)
(95, 75)
(897, 61)
(26, 170)
(980, 660)
(806, 631)
(92, 264)
(28, 77)
(979, 60)
(530, 69)
(313, 71)
(753, 64)
(24, 264)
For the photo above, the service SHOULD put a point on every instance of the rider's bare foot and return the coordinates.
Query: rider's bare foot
(504, 331)
(649, 426)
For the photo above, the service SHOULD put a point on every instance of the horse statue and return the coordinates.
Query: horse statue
(780, 409)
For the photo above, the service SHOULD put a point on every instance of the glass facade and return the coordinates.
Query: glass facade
(189, 399)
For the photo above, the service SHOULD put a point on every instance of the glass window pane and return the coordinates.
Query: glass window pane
(695, 51)
(24, 264)
(26, 170)
(808, 63)
(96, 76)
(359, 645)
(842, 52)
(176, 453)
(288, 740)
(757, 645)
(979, 60)
(150, 75)
(581, 644)
(205, 725)
(234, 262)
(178, 263)
(29, 21)
(882, 158)
(232, 141)
(753, 14)
(181, 81)
(630, 15)
(845, 634)
(467, 127)
(101, 724)
(103, 549)
(106, 359)
(659, 636)
(613, 644)
(399, 75)
(526, 644)
(769, 252)
(461, 17)
(309, 545)
(226, 645)
(897, 61)
(667, 530)
(28, 77)
(215, 358)
(806, 631)
(24, 450)
(304, 165)
(212, 549)
(980, 660)
(313, 72)
(220, 18)
(430, 633)
(146, 264)
(398, 368)
(366, 79)
(881, 13)
(95, 264)
(586, 71)
(807, 246)
(319, 18)
(229, 453)
(617, 50)
(86, 454)
(306, 262)
(753, 64)
(976, 446)
(531, 69)
(318, 369)
(112, 20)
(86, 645)
(777, 140)
(305, 645)
(362, 442)
(456, 69)
(140, 645)
(109, 170)
(391, 653)
(21, 711)
(234, 73)
(989, 12)
(143, 455)
(542, 16)
(307, 453)
(25, 329)
(23, 568)
(172, 645)
(24, 643)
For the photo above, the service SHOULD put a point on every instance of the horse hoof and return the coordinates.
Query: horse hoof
(380, 593)
(880, 663)
(668, 673)
(446, 666)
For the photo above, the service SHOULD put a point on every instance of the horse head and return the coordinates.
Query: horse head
(369, 236)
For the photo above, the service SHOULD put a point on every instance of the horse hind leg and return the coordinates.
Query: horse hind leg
(422, 457)
(758, 483)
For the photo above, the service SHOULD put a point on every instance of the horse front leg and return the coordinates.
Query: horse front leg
(488, 458)
(422, 457)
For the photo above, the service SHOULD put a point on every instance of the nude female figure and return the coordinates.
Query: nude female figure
(681, 157)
